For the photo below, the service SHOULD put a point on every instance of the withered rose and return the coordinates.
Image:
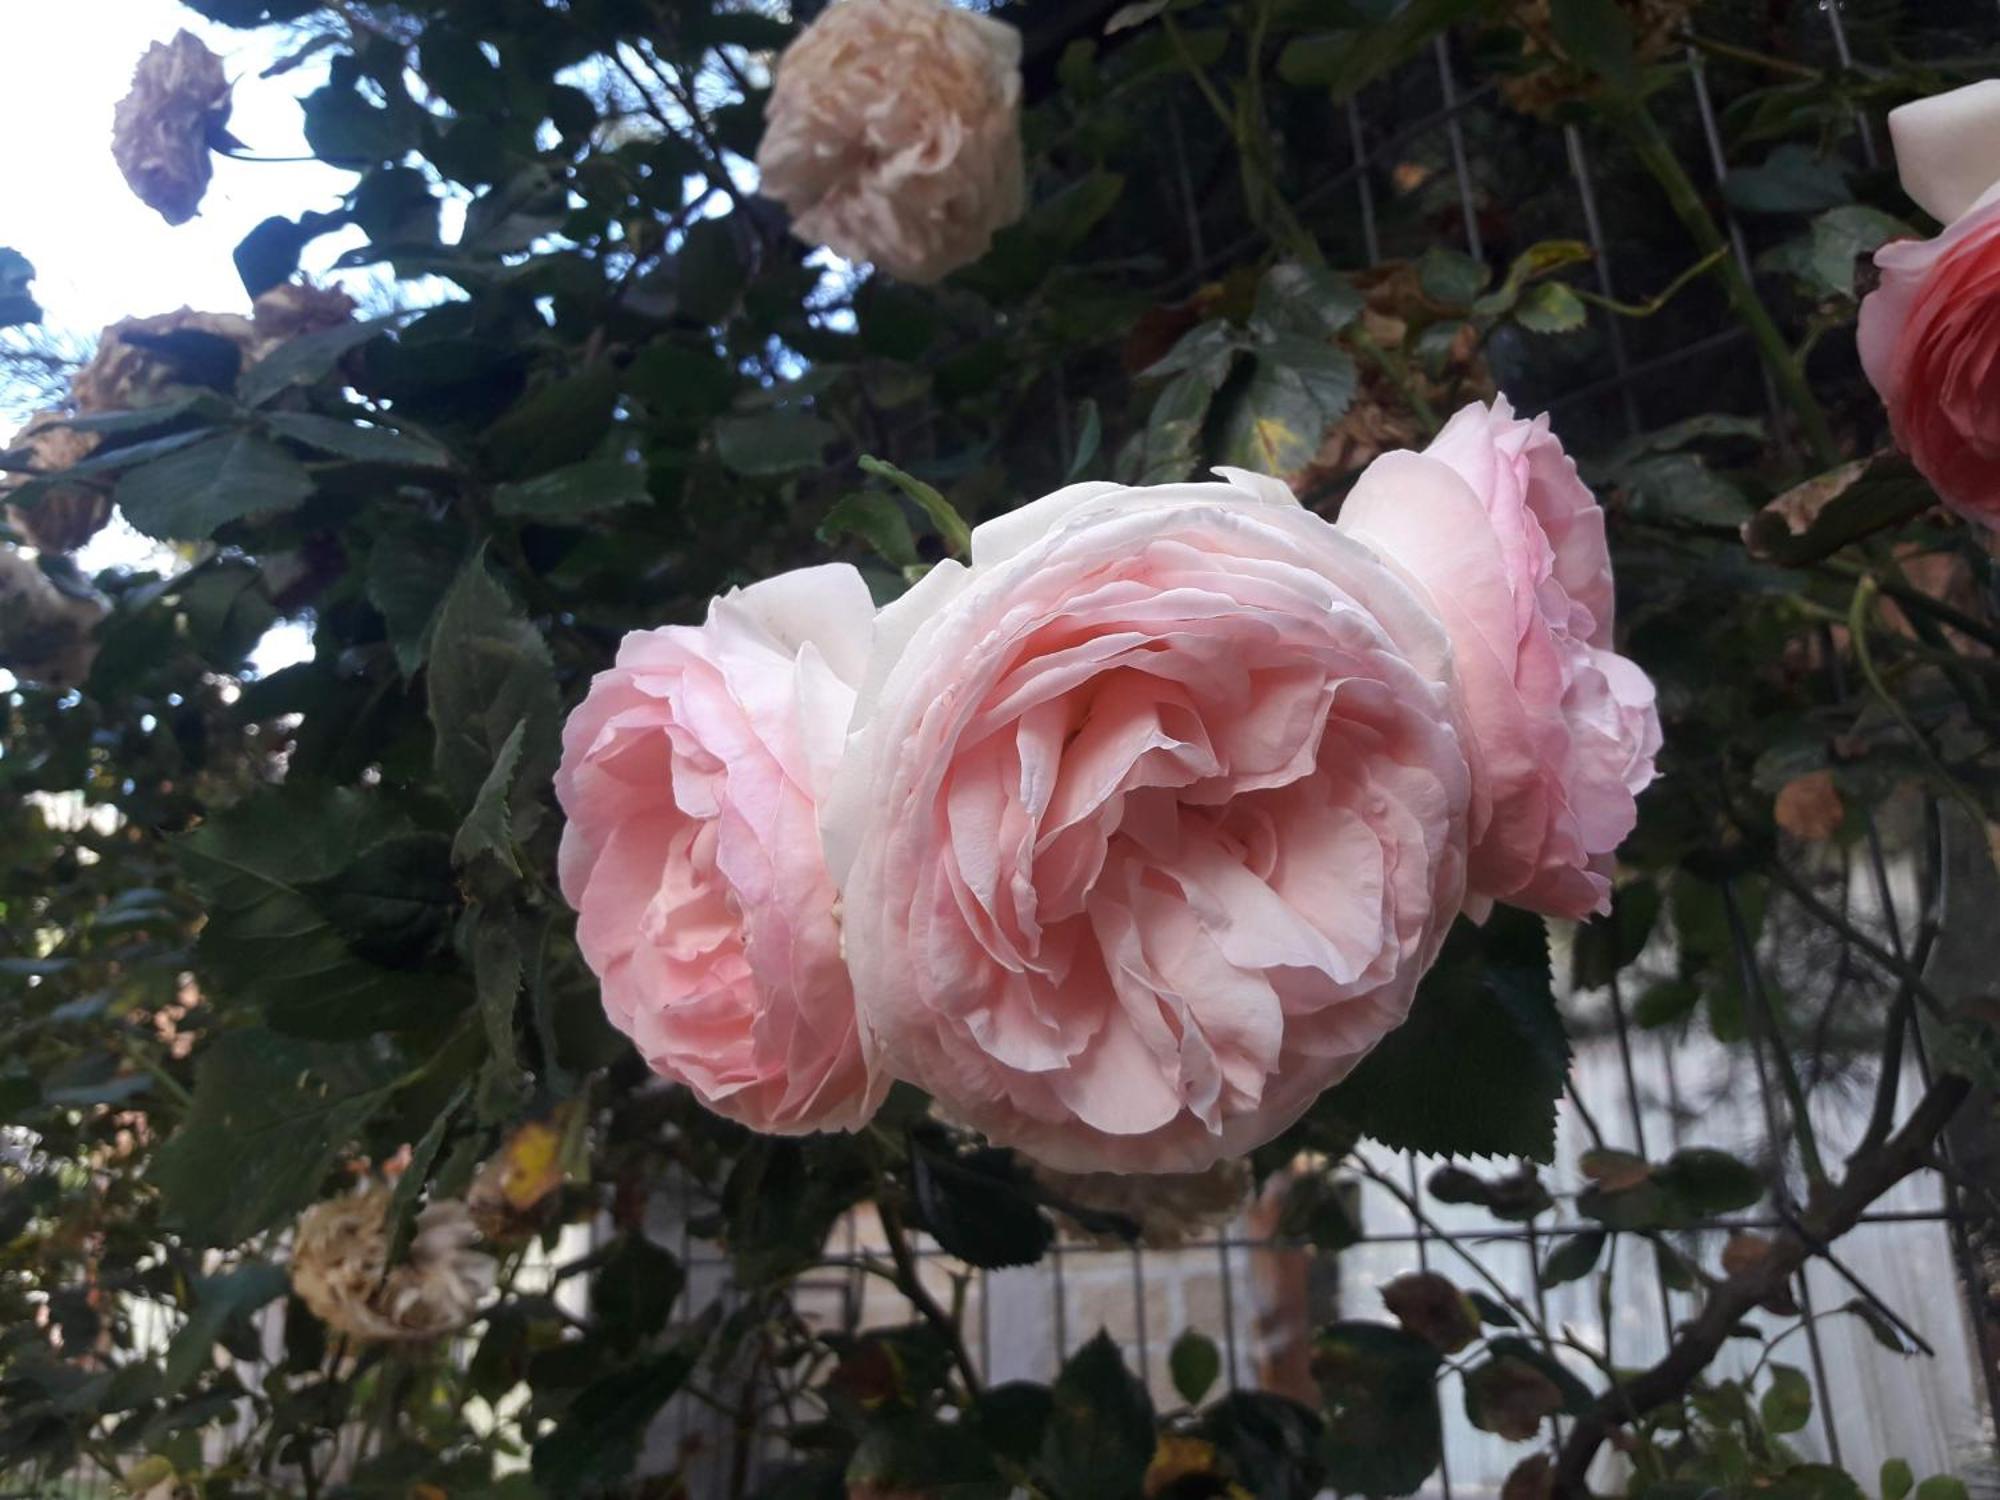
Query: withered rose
(340, 1269)
(45, 632)
(163, 130)
(142, 362)
(893, 134)
(63, 518)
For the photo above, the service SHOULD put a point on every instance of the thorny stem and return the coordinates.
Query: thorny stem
(1657, 155)
(1660, 298)
(1750, 57)
(1260, 187)
(1857, 629)
(1788, 1075)
(1397, 371)
(921, 1298)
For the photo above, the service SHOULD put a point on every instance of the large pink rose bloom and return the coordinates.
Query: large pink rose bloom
(1154, 816)
(1507, 543)
(691, 777)
(1930, 332)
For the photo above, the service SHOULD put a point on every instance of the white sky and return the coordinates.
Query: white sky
(99, 253)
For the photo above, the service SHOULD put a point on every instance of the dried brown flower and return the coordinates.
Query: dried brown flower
(46, 634)
(162, 131)
(340, 1269)
(63, 518)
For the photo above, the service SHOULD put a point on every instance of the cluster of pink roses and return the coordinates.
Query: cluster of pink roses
(1130, 836)
(1930, 332)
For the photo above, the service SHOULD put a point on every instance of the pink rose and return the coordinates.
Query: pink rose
(1930, 332)
(1152, 819)
(1492, 523)
(691, 778)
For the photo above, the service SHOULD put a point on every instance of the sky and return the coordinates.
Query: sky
(100, 253)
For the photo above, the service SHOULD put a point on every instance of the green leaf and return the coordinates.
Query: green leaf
(267, 939)
(1208, 349)
(1792, 180)
(596, 484)
(951, 527)
(773, 442)
(416, 1175)
(1550, 307)
(1194, 1362)
(1173, 430)
(1089, 438)
(496, 974)
(878, 521)
(217, 1299)
(1896, 1479)
(1814, 520)
(308, 358)
(560, 424)
(1709, 1182)
(1384, 1433)
(411, 566)
(633, 1291)
(1100, 1433)
(907, 1453)
(190, 494)
(488, 830)
(1347, 60)
(1573, 1259)
(1477, 1068)
(781, 1200)
(1309, 300)
(490, 676)
(1826, 257)
(356, 442)
(1596, 35)
(1604, 945)
(976, 1207)
(392, 903)
(271, 1116)
(1451, 277)
(1786, 1405)
(1665, 1003)
(1510, 1397)
(597, 1441)
(1942, 1487)
(17, 305)
(1013, 1419)
(1272, 1444)
(1298, 387)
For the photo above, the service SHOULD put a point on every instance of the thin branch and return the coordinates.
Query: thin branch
(920, 1297)
(1700, 1341)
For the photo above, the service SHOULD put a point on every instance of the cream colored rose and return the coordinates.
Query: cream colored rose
(340, 1269)
(62, 519)
(129, 371)
(161, 131)
(893, 134)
